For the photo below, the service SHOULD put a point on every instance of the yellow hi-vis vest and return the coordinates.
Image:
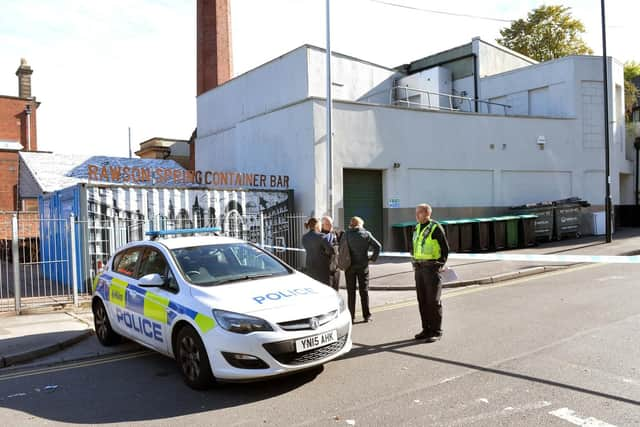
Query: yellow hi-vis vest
(425, 248)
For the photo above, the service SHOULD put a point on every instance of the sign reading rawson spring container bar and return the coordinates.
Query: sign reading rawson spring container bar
(141, 175)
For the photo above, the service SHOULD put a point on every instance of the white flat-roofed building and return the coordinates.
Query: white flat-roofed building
(472, 131)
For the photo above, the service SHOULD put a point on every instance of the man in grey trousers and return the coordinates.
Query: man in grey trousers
(359, 241)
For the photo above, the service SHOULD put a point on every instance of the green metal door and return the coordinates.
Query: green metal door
(362, 195)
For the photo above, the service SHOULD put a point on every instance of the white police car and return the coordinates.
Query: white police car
(223, 308)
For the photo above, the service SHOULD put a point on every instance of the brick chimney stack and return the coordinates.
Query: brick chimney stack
(213, 44)
(24, 72)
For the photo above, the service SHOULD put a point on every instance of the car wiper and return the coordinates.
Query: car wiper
(241, 278)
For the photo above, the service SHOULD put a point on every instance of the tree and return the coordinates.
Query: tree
(630, 97)
(631, 70)
(631, 91)
(549, 32)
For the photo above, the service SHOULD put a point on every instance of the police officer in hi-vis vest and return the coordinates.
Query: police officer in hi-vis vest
(430, 250)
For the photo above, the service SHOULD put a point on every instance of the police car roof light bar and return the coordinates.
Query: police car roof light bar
(154, 234)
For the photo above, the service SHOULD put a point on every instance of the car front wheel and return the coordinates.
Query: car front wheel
(105, 333)
(193, 360)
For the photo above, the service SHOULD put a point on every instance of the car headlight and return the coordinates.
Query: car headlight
(240, 323)
(342, 305)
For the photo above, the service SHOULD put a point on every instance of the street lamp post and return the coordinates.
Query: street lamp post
(605, 81)
(329, 121)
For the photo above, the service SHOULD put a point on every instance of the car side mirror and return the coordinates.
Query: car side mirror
(152, 280)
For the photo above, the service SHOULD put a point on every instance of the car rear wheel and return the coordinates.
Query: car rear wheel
(193, 360)
(105, 333)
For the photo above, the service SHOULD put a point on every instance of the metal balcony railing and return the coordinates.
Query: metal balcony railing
(406, 96)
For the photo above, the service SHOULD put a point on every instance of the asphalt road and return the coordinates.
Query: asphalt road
(559, 349)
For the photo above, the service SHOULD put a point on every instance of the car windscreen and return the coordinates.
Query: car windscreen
(212, 265)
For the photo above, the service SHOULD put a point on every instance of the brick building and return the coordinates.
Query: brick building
(17, 133)
(165, 149)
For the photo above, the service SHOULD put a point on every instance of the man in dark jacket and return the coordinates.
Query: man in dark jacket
(331, 236)
(429, 251)
(318, 252)
(359, 241)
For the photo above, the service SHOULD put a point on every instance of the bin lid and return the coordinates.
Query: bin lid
(507, 218)
(464, 220)
(483, 219)
(404, 224)
(528, 216)
(536, 209)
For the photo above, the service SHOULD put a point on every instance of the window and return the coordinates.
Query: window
(172, 283)
(116, 260)
(152, 262)
(212, 265)
(126, 263)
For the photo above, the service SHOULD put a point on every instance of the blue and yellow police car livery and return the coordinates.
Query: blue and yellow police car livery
(223, 308)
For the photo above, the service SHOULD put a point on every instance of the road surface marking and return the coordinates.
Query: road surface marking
(508, 411)
(446, 380)
(570, 416)
(76, 365)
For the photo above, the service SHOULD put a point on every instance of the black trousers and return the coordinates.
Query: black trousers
(362, 276)
(334, 279)
(429, 290)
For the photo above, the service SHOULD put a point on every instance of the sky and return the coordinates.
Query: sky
(102, 67)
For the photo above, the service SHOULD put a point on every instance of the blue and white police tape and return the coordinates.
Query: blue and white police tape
(492, 256)
(282, 248)
(606, 259)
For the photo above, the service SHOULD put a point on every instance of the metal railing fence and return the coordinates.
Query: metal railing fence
(33, 270)
(46, 262)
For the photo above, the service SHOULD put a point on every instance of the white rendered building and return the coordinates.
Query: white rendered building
(472, 131)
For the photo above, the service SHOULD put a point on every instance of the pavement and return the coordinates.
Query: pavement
(33, 337)
(28, 337)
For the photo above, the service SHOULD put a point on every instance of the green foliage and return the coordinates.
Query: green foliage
(630, 97)
(631, 92)
(549, 32)
(631, 70)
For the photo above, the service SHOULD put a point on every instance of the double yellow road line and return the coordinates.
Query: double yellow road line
(75, 365)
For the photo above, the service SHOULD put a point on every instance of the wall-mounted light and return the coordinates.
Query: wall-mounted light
(541, 141)
(396, 165)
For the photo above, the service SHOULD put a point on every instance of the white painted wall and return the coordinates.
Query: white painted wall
(427, 83)
(281, 82)
(495, 59)
(447, 159)
(279, 143)
(547, 89)
(275, 84)
(353, 79)
(465, 87)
